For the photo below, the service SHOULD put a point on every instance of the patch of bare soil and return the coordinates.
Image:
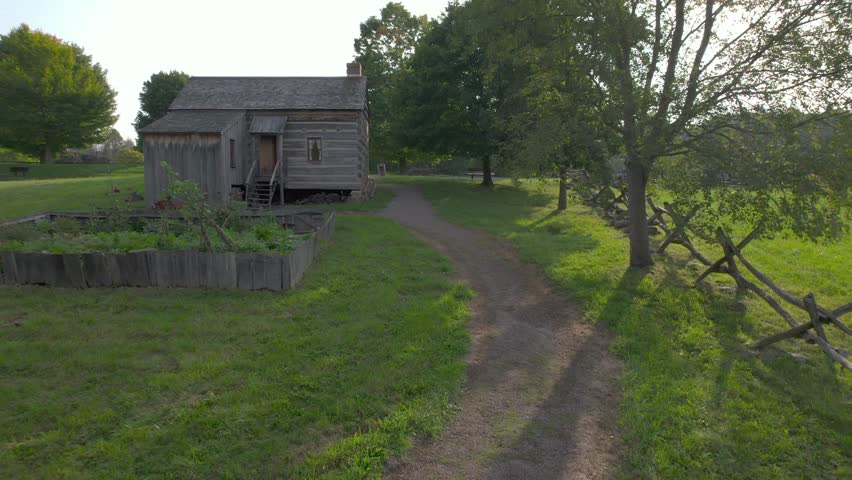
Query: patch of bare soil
(542, 389)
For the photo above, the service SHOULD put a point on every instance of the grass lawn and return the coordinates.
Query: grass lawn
(696, 405)
(85, 192)
(28, 197)
(325, 381)
(68, 170)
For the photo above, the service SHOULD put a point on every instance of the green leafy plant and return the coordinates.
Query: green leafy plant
(768, 171)
(193, 208)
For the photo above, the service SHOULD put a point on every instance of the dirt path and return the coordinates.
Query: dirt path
(542, 390)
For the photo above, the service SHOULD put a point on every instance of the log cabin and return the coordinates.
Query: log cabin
(259, 138)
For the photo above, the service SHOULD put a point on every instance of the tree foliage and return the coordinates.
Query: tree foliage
(384, 48)
(449, 104)
(720, 90)
(673, 67)
(158, 92)
(777, 172)
(502, 80)
(53, 95)
(554, 124)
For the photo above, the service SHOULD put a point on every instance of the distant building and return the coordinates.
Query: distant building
(260, 136)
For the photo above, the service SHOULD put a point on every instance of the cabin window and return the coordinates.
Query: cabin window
(314, 150)
(232, 153)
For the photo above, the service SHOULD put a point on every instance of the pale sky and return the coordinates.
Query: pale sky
(133, 40)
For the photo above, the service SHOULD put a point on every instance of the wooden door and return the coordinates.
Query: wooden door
(268, 154)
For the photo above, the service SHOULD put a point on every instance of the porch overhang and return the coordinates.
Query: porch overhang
(268, 124)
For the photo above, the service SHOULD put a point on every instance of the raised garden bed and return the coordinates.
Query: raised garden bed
(108, 259)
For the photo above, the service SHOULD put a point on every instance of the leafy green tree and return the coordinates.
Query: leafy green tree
(777, 172)
(447, 103)
(673, 67)
(113, 144)
(384, 48)
(157, 94)
(53, 96)
(552, 109)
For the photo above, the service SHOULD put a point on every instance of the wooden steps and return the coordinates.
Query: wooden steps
(260, 193)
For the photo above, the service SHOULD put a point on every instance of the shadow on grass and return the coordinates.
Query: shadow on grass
(696, 404)
(726, 397)
(543, 219)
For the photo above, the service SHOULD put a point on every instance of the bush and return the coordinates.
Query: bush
(67, 235)
(783, 174)
(130, 156)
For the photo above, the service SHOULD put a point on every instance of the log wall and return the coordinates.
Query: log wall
(343, 135)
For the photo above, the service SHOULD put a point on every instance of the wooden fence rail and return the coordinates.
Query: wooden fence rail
(675, 225)
(166, 269)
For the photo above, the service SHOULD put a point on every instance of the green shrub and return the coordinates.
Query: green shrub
(130, 156)
(71, 236)
(18, 233)
(10, 156)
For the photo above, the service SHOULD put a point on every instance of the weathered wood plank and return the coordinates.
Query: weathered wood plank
(272, 272)
(191, 267)
(297, 261)
(96, 269)
(73, 267)
(226, 270)
(284, 265)
(10, 270)
(22, 267)
(258, 272)
(244, 271)
(40, 268)
(163, 272)
(134, 269)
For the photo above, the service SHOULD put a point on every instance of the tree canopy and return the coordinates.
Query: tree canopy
(776, 171)
(673, 68)
(542, 86)
(384, 48)
(158, 92)
(448, 103)
(54, 97)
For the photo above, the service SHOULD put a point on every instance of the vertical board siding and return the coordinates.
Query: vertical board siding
(196, 157)
(167, 269)
(233, 176)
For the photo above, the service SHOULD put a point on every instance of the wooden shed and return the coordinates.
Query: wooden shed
(257, 137)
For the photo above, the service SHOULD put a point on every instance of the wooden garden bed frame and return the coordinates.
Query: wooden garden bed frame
(169, 269)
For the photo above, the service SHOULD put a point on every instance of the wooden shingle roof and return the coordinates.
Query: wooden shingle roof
(193, 122)
(272, 93)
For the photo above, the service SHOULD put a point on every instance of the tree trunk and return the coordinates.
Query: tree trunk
(487, 181)
(563, 189)
(403, 165)
(637, 179)
(47, 156)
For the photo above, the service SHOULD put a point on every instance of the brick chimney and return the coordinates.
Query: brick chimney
(353, 69)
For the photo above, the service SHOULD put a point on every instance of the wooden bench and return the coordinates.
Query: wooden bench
(22, 171)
